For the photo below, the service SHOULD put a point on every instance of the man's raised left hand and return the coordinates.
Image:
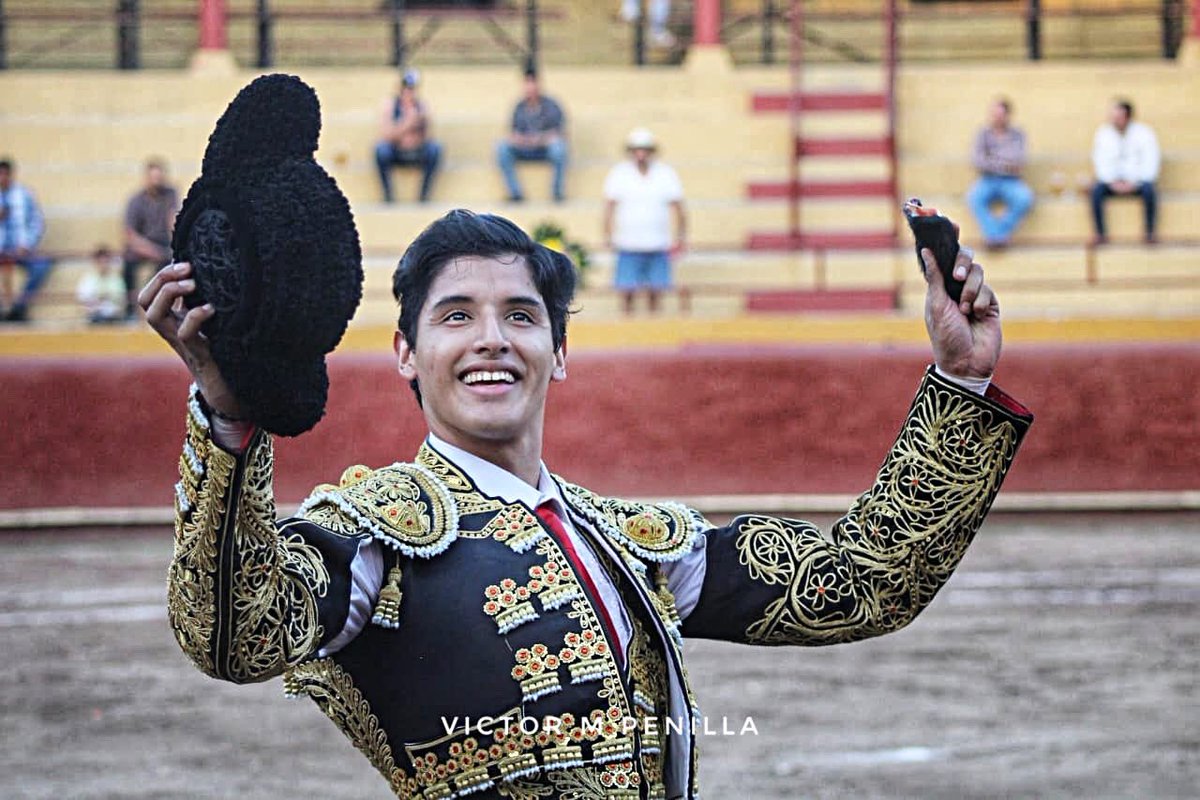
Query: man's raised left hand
(965, 336)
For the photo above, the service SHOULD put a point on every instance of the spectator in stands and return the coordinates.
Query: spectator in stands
(537, 133)
(660, 11)
(149, 220)
(101, 291)
(406, 142)
(1126, 159)
(641, 195)
(999, 156)
(21, 229)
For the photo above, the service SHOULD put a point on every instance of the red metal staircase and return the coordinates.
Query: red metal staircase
(798, 103)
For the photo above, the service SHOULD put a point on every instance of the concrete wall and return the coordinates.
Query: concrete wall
(710, 420)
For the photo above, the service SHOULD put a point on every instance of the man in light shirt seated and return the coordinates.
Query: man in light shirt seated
(1126, 159)
(999, 156)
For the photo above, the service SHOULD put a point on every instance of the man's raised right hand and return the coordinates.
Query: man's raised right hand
(162, 300)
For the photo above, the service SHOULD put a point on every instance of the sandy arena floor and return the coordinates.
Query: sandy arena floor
(1061, 661)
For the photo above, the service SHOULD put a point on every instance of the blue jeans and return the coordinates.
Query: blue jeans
(387, 155)
(1011, 192)
(37, 269)
(507, 156)
(1145, 190)
(648, 269)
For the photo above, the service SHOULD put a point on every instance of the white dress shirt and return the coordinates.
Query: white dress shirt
(1133, 156)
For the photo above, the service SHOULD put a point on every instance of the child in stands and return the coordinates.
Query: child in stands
(101, 290)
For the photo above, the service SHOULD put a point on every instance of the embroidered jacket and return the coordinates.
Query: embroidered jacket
(486, 669)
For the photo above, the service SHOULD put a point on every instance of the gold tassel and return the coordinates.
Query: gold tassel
(387, 610)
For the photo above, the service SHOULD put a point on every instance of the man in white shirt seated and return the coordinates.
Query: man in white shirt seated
(1126, 159)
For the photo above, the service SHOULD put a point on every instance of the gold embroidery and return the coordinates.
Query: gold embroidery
(516, 527)
(334, 691)
(645, 529)
(648, 678)
(332, 519)
(191, 607)
(504, 754)
(525, 790)
(275, 583)
(662, 532)
(537, 672)
(354, 474)
(508, 604)
(618, 780)
(408, 504)
(404, 506)
(387, 608)
(901, 539)
(454, 478)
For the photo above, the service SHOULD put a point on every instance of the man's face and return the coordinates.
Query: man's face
(532, 90)
(641, 155)
(155, 178)
(5, 178)
(998, 115)
(484, 356)
(1118, 117)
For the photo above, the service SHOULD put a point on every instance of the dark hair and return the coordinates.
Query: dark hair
(464, 233)
(6, 163)
(102, 251)
(1127, 106)
(531, 70)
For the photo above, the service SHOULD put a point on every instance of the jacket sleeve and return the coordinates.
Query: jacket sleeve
(778, 581)
(249, 597)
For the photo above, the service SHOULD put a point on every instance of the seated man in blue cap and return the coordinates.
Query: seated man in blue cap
(405, 140)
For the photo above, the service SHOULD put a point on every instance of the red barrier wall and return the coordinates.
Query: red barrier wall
(106, 432)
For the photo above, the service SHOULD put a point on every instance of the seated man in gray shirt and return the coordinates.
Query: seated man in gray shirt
(536, 134)
(999, 155)
(149, 220)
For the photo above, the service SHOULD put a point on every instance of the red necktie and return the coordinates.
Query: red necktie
(548, 515)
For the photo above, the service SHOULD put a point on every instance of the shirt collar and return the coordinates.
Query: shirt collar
(498, 482)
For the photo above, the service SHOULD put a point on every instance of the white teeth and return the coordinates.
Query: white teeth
(483, 376)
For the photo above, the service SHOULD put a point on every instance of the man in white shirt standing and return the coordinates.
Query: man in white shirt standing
(641, 195)
(1126, 159)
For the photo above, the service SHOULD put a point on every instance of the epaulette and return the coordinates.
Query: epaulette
(661, 532)
(404, 506)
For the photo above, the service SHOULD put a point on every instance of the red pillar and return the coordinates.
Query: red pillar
(1196, 19)
(213, 21)
(706, 21)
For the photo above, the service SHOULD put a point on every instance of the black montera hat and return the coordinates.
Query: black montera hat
(273, 247)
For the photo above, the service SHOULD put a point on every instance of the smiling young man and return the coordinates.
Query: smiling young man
(478, 626)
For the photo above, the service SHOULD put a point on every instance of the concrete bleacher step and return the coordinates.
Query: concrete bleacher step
(460, 181)
(1100, 301)
(103, 138)
(713, 223)
(1069, 218)
(1050, 176)
(1123, 281)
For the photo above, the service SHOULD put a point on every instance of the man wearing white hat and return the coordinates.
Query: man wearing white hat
(641, 193)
